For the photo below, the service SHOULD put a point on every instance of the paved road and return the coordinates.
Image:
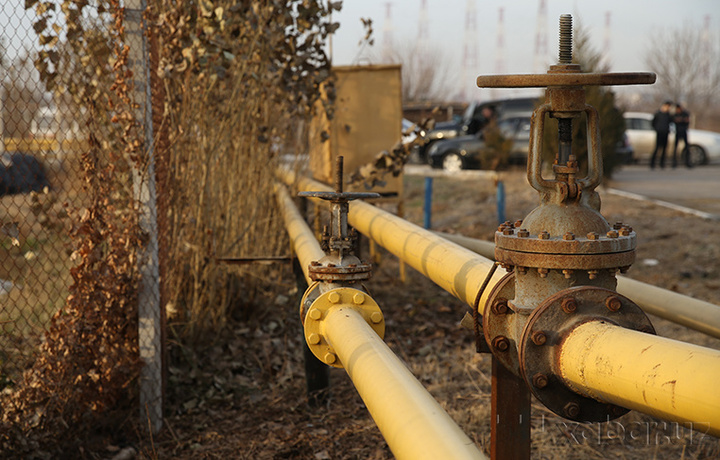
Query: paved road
(697, 188)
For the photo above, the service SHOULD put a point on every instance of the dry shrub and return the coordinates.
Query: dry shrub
(81, 379)
(239, 77)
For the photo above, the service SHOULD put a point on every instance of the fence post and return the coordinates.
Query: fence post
(428, 202)
(149, 308)
(500, 197)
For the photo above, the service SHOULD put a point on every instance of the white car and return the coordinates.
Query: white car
(704, 145)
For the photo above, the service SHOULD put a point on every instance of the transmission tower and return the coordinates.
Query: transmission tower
(705, 50)
(541, 46)
(422, 35)
(606, 41)
(468, 90)
(388, 45)
(500, 48)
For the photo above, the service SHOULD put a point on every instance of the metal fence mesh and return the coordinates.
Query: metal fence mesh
(42, 195)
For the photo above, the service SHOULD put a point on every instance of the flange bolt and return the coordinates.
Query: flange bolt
(501, 343)
(540, 380)
(539, 338)
(571, 410)
(569, 305)
(613, 303)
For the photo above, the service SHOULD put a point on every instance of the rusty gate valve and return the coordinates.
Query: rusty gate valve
(566, 232)
(563, 257)
(339, 263)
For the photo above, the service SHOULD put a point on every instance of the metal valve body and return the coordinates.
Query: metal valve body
(564, 256)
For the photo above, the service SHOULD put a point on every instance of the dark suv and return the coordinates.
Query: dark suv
(473, 120)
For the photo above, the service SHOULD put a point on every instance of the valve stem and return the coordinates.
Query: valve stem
(565, 39)
(565, 124)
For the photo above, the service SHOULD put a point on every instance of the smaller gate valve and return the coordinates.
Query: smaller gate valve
(340, 264)
(335, 276)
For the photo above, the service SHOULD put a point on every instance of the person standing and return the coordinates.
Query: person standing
(661, 124)
(682, 122)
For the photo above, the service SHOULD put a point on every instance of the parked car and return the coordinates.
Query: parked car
(473, 120)
(704, 146)
(466, 152)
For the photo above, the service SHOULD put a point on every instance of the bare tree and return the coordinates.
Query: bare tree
(426, 72)
(687, 62)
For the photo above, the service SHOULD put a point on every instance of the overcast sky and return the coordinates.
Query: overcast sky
(633, 24)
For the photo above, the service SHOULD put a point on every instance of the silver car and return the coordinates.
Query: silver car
(704, 146)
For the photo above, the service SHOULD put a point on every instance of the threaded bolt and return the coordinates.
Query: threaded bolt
(571, 410)
(618, 225)
(612, 234)
(523, 233)
(592, 236)
(540, 380)
(501, 343)
(508, 231)
(359, 298)
(543, 235)
(613, 303)
(330, 358)
(339, 174)
(624, 231)
(518, 223)
(543, 272)
(568, 274)
(539, 338)
(569, 305)
(569, 236)
(565, 39)
(315, 314)
(334, 297)
(499, 307)
(313, 339)
(376, 317)
(592, 274)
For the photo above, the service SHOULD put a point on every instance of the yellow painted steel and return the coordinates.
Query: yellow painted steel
(693, 313)
(459, 271)
(681, 309)
(672, 380)
(303, 240)
(414, 425)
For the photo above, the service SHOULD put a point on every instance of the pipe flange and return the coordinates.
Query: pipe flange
(333, 273)
(498, 324)
(542, 339)
(344, 297)
(517, 247)
(310, 295)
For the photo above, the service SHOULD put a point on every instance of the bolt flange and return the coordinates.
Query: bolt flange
(539, 353)
(336, 300)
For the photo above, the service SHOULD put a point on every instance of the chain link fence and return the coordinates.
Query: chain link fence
(47, 126)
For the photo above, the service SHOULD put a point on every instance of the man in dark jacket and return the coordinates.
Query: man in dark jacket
(682, 121)
(661, 124)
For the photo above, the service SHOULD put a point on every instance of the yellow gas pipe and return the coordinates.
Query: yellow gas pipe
(459, 271)
(672, 380)
(414, 425)
(303, 240)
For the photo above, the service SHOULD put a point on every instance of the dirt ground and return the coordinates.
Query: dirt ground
(245, 397)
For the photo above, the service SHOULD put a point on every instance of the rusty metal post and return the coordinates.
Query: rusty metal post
(510, 415)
